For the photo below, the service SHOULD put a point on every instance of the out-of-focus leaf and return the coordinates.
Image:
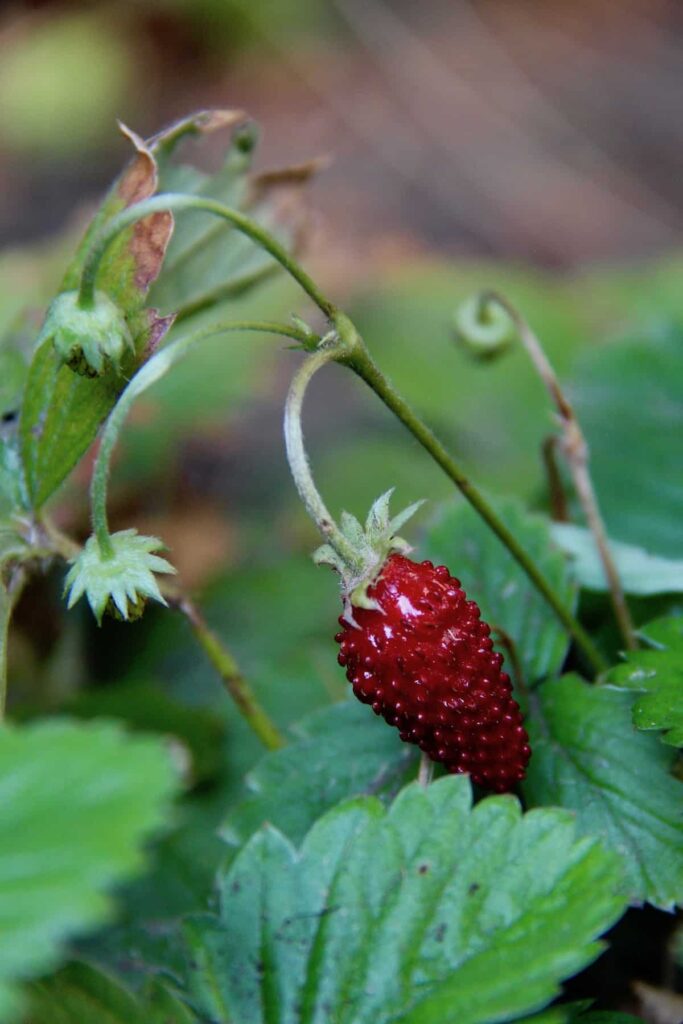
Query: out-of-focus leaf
(209, 260)
(640, 572)
(76, 801)
(149, 708)
(339, 752)
(587, 757)
(658, 673)
(429, 913)
(83, 994)
(291, 664)
(629, 397)
(491, 577)
(55, 72)
(12, 492)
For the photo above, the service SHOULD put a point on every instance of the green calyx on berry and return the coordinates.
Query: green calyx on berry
(89, 340)
(371, 545)
(121, 583)
(483, 326)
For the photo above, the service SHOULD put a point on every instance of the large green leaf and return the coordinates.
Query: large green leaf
(629, 397)
(339, 752)
(432, 912)
(658, 673)
(82, 994)
(588, 758)
(76, 801)
(640, 571)
(491, 577)
(149, 708)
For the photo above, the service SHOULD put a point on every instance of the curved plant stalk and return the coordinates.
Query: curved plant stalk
(575, 449)
(360, 360)
(148, 374)
(217, 652)
(330, 350)
(178, 201)
(352, 352)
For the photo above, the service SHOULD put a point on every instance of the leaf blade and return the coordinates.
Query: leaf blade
(379, 913)
(657, 674)
(588, 758)
(59, 855)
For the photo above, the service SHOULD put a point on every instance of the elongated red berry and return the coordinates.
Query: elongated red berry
(424, 660)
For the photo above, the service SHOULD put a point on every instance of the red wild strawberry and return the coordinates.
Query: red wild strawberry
(416, 649)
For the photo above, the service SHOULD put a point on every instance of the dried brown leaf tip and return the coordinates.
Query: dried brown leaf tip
(150, 237)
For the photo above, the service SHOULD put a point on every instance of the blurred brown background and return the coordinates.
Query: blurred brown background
(547, 131)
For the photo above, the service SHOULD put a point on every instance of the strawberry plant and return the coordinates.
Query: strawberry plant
(209, 824)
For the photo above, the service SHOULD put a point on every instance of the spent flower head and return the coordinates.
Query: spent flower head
(89, 340)
(120, 583)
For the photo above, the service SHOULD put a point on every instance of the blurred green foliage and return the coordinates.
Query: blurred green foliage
(63, 82)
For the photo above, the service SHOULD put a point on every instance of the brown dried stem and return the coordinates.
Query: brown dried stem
(575, 449)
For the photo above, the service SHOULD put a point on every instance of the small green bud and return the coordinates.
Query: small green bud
(89, 340)
(121, 583)
(483, 326)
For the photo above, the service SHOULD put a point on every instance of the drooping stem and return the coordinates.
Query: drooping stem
(575, 449)
(150, 372)
(362, 363)
(296, 451)
(177, 201)
(229, 671)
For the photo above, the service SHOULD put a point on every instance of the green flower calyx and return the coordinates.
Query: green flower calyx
(91, 339)
(371, 545)
(121, 583)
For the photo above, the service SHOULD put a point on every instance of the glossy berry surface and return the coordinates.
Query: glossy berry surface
(426, 663)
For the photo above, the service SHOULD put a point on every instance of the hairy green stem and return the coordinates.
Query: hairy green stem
(229, 671)
(575, 449)
(362, 363)
(175, 202)
(150, 372)
(296, 451)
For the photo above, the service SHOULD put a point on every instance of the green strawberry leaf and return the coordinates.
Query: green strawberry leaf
(76, 801)
(658, 673)
(83, 994)
(429, 912)
(338, 752)
(640, 571)
(61, 411)
(588, 758)
(628, 398)
(491, 577)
